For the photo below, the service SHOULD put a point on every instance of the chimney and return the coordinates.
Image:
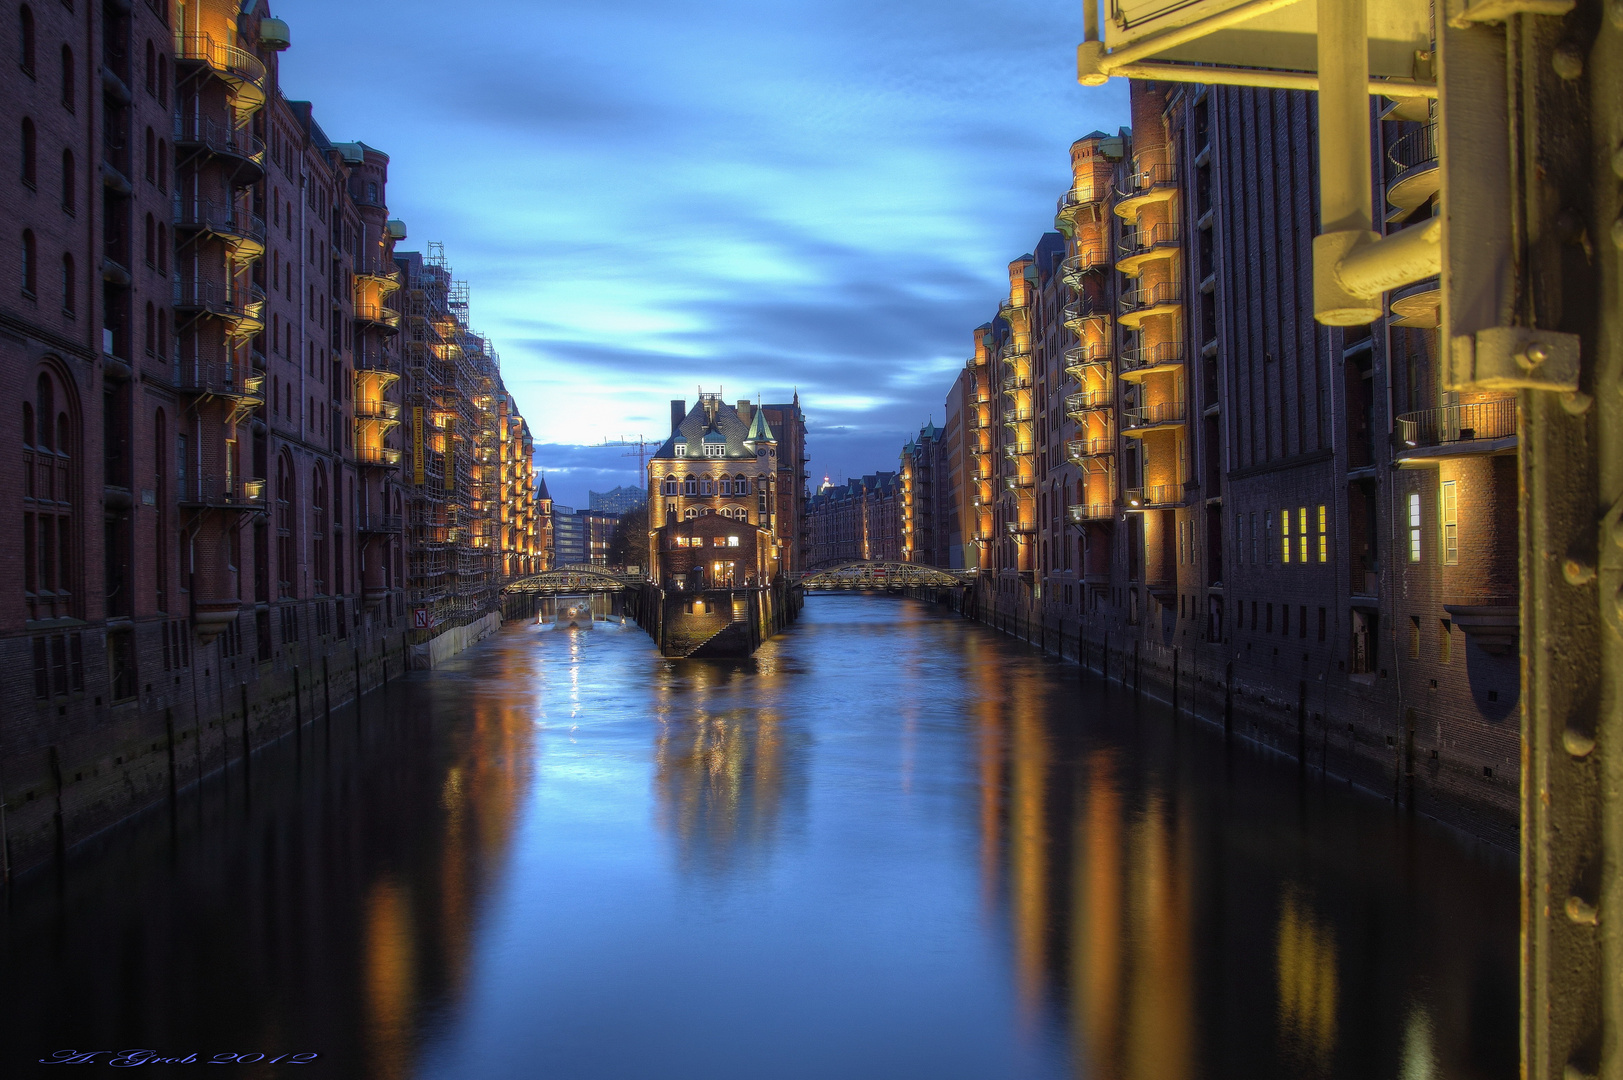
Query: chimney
(744, 411)
(679, 412)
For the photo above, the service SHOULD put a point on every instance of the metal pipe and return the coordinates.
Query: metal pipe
(1263, 77)
(1221, 20)
(1090, 20)
(1403, 258)
(1344, 165)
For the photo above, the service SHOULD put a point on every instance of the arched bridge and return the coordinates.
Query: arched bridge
(572, 579)
(868, 574)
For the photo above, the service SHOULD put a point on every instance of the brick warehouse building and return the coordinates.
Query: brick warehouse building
(1170, 470)
(858, 520)
(207, 380)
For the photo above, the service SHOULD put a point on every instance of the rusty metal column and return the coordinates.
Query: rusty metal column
(1566, 131)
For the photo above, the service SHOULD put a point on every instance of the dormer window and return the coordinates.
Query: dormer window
(681, 448)
(715, 449)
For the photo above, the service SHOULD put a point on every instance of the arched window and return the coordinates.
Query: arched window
(25, 39)
(318, 527)
(691, 512)
(70, 184)
(152, 69)
(30, 263)
(152, 156)
(672, 485)
(725, 485)
(30, 155)
(704, 485)
(67, 78)
(70, 292)
(691, 486)
(50, 438)
(372, 191)
(741, 485)
(286, 500)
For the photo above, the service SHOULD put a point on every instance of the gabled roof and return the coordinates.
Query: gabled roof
(697, 428)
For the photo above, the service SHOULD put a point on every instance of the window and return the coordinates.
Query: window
(152, 69)
(152, 157)
(681, 449)
(1239, 535)
(725, 487)
(671, 486)
(1414, 526)
(372, 191)
(1445, 641)
(732, 541)
(1301, 621)
(1268, 537)
(741, 485)
(29, 153)
(1285, 619)
(49, 442)
(691, 486)
(704, 486)
(1449, 511)
(67, 78)
(1414, 637)
(70, 185)
(715, 449)
(691, 512)
(25, 39)
(1254, 558)
(1301, 534)
(163, 165)
(151, 235)
(151, 329)
(1324, 534)
(1284, 536)
(69, 290)
(1270, 625)
(1322, 619)
(29, 263)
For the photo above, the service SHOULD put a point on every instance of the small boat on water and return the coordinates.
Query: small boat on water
(574, 611)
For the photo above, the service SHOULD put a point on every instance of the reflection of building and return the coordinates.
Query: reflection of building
(1162, 448)
(617, 501)
(859, 519)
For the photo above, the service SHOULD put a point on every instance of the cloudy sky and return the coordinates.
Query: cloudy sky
(647, 196)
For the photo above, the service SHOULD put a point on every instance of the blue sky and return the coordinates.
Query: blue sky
(647, 196)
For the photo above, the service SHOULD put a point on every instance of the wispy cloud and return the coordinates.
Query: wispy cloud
(649, 195)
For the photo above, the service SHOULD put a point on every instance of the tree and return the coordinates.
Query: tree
(629, 545)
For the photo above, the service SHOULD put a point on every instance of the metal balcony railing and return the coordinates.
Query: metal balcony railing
(1165, 412)
(377, 314)
(377, 409)
(1074, 268)
(1088, 400)
(1018, 483)
(1017, 415)
(1077, 449)
(377, 455)
(1154, 497)
(1009, 305)
(1161, 234)
(231, 63)
(225, 140)
(1073, 201)
(1013, 383)
(1014, 352)
(1080, 512)
(382, 523)
(1020, 528)
(1149, 296)
(1416, 150)
(1151, 356)
(1458, 423)
(226, 379)
(220, 218)
(1143, 181)
(1014, 450)
(215, 491)
(1082, 309)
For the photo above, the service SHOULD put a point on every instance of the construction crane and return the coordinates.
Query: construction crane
(641, 454)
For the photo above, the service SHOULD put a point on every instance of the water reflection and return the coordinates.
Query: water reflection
(891, 843)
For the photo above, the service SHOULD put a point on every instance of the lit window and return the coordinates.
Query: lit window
(691, 512)
(1284, 536)
(726, 487)
(715, 449)
(691, 487)
(681, 449)
(732, 541)
(1450, 513)
(1414, 527)
(718, 541)
(1301, 533)
(1324, 535)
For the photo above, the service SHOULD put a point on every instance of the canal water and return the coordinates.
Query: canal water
(892, 844)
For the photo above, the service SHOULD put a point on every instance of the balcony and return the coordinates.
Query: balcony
(1013, 384)
(1078, 358)
(1020, 528)
(381, 456)
(1080, 450)
(1152, 184)
(377, 314)
(1145, 360)
(1087, 401)
(1418, 305)
(243, 231)
(1015, 353)
(1017, 415)
(1021, 485)
(1412, 175)
(1162, 298)
(1139, 246)
(1076, 206)
(1016, 450)
(1147, 418)
(226, 141)
(1081, 513)
(378, 409)
(1155, 497)
(240, 69)
(384, 272)
(1480, 427)
(223, 493)
(1083, 310)
(224, 379)
(382, 524)
(1075, 268)
(243, 306)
